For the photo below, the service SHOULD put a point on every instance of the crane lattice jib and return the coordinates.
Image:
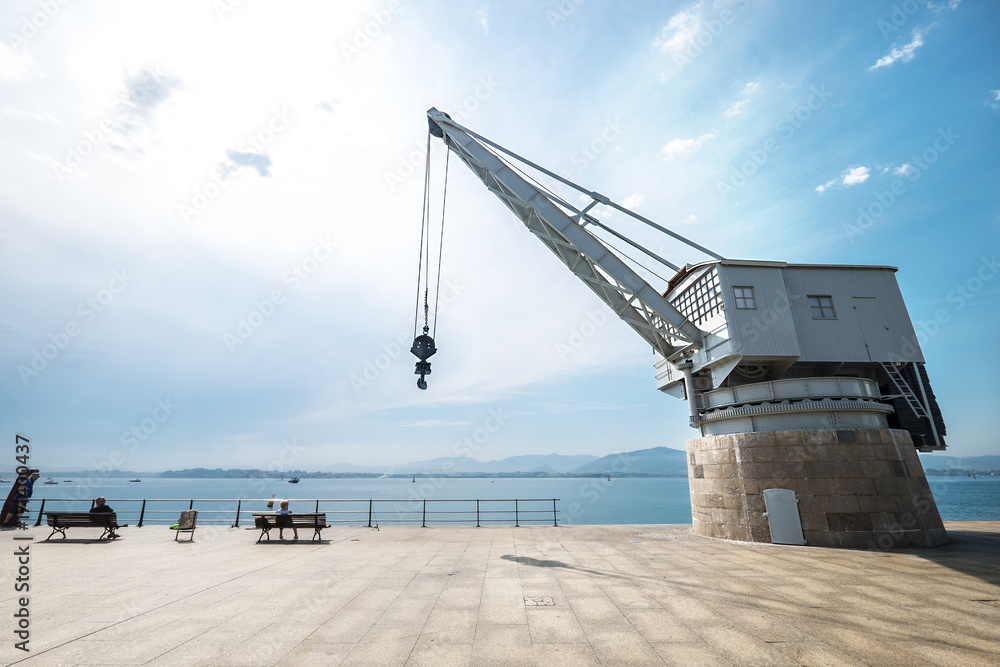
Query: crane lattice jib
(635, 301)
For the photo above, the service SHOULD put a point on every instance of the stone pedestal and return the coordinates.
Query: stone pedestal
(859, 488)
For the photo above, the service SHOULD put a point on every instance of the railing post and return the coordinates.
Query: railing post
(477, 514)
(239, 504)
(370, 501)
(38, 521)
(317, 506)
(191, 505)
(516, 524)
(423, 523)
(142, 512)
(555, 520)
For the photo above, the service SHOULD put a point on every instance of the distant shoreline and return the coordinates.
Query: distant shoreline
(251, 474)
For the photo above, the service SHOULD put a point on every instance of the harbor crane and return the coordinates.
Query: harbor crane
(751, 345)
(805, 381)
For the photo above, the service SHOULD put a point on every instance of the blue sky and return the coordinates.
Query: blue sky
(168, 170)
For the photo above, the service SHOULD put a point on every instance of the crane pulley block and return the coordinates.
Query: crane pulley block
(423, 348)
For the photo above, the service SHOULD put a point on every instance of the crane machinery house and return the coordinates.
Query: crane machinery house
(805, 381)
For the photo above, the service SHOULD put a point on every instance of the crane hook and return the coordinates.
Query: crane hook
(423, 348)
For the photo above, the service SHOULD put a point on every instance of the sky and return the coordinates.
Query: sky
(210, 213)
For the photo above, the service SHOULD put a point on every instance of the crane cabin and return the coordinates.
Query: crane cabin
(792, 346)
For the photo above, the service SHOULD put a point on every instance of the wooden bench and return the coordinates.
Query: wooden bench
(60, 521)
(268, 520)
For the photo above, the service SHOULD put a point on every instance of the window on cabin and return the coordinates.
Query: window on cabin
(744, 298)
(822, 307)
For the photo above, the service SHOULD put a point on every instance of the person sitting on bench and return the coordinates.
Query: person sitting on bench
(284, 511)
(100, 507)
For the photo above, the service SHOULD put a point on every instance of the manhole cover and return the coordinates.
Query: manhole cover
(539, 602)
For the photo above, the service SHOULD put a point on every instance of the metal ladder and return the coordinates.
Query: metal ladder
(904, 389)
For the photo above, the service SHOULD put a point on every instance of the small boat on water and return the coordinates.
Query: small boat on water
(293, 480)
(51, 481)
(67, 480)
(135, 480)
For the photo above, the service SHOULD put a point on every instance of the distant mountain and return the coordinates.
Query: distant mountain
(942, 462)
(655, 461)
(557, 463)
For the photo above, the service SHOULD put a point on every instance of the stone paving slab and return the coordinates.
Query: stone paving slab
(571, 595)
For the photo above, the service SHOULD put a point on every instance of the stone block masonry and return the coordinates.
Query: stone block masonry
(857, 488)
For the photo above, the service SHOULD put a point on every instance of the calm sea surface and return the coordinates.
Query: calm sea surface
(582, 501)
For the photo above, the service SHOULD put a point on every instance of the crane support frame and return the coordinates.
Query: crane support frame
(633, 299)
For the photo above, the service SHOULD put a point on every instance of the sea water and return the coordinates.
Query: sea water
(594, 500)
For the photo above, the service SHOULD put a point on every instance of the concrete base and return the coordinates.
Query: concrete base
(857, 488)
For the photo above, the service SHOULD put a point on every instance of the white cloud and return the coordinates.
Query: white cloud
(856, 175)
(678, 147)
(20, 114)
(995, 102)
(852, 176)
(738, 108)
(633, 200)
(904, 53)
(15, 65)
(433, 422)
(735, 110)
(484, 18)
(680, 31)
(904, 170)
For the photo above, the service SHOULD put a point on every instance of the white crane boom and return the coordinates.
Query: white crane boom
(636, 302)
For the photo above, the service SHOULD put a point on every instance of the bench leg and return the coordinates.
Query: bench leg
(56, 529)
(263, 532)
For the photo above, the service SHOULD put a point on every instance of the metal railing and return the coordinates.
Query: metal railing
(358, 512)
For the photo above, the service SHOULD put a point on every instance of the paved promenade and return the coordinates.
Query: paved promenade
(574, 596)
